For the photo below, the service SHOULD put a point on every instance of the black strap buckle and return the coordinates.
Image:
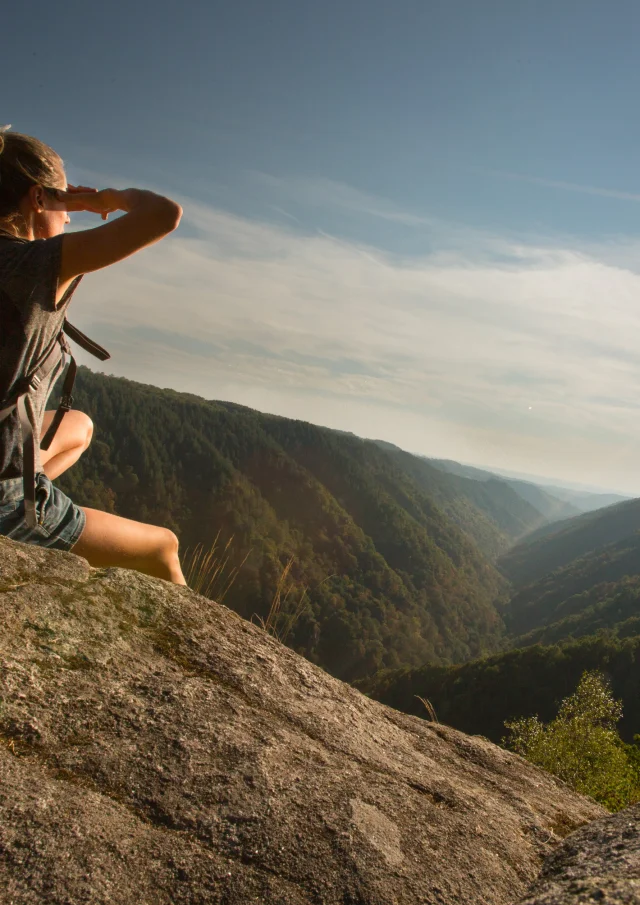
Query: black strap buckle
(66, 402)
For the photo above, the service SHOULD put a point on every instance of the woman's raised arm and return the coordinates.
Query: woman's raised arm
(148, 218)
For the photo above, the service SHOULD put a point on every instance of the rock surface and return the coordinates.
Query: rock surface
(156, 749)
(598, 863)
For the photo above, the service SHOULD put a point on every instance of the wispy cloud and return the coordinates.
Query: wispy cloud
(327, 193)
(570, 186)
(283, 213)
(521, 355)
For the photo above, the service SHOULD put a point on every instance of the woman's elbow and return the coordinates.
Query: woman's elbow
(173, 215)
(168, 215)
(177, 215)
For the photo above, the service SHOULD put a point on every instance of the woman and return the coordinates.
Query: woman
(40, 269)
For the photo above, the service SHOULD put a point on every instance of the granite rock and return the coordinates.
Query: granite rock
(157, 749)
(599, 863)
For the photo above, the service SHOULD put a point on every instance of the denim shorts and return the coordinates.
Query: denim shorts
(60, 521)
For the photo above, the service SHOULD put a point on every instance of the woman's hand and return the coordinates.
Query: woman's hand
(84, 198)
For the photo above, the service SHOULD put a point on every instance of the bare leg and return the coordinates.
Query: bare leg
(71, 439)
(110, 540)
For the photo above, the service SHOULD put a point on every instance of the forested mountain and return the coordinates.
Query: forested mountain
(551, 508)
(593, 592)
(552, 500)
(583, 500)
(581, 614)
(478, 697)
(390, 556)
(381, 576)
(491, 512)
(555, 546)
(610, 608)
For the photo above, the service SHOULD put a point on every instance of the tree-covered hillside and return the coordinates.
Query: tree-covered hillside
(589, 593)
(491, 512)
(575, 606)
(555, 546)
(381, 576)
(478, 697)
(612, 608)
(550, 507)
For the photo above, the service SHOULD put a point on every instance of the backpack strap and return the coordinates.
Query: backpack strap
(18, 401)
(28, 463)
(66, 400)
(52, 356)
(84, 342)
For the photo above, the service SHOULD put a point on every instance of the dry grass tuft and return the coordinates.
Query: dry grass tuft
(429, 708)
(282, 616)
(209, 572)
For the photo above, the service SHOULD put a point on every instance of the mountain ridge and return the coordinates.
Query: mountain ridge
(554, 546)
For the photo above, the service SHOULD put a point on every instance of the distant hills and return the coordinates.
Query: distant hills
(554, 546)
(490, 512)
(583, 500)
(574, 605)
(553, 501)
(540, 506)
(577, 578)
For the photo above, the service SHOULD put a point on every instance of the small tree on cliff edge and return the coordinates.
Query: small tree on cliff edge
(581, 745)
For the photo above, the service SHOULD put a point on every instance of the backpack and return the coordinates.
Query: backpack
(50, 358)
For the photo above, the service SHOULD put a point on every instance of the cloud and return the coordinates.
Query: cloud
(571, 186)
(327, 193)
(500, 352)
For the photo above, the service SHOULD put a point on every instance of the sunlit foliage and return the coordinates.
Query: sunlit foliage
(581, 745)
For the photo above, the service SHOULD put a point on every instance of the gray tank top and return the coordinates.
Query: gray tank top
(29, 322)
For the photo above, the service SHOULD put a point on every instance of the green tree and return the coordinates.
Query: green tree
(581, 745)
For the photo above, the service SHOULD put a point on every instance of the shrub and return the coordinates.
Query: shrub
(581, 745)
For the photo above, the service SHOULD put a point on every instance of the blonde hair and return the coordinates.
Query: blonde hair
(24, 161)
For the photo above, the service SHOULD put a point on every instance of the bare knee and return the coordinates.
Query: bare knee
(79, 429)
(83, 429)
(170, 544)
(88, 426)
(166, 549)
(161, 556)
(169, 559)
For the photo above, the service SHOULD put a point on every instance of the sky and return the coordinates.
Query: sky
(417, 221)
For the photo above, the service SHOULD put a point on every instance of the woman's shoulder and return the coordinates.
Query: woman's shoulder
(28, 252)
(8, 240)
(29, 270)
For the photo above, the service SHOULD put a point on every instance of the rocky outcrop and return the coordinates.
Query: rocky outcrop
(599, 863)
(156, 749)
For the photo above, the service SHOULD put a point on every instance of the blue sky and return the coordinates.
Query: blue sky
(413, 220)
